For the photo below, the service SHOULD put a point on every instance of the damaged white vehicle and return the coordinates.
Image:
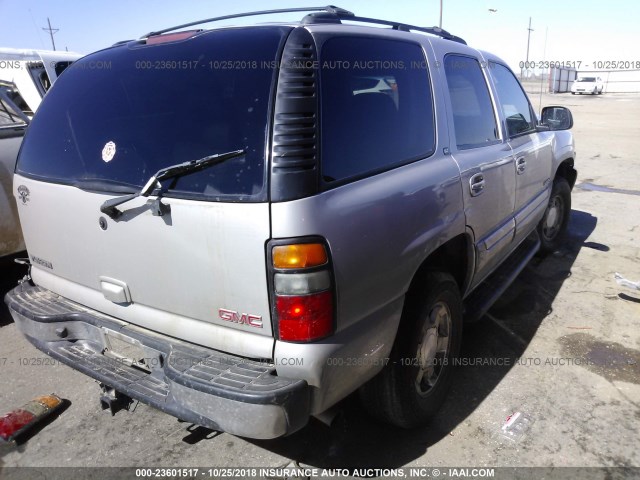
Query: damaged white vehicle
(25, 77)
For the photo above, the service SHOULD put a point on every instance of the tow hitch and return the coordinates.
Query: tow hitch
(113, 400)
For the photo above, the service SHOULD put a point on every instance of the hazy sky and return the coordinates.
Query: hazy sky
(584, 31)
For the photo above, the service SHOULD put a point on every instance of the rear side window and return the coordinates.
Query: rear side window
(376, 106)
(473, 116)
(513, 100)
(116, 117)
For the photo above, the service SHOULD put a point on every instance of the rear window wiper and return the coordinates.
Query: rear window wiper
(174, 171)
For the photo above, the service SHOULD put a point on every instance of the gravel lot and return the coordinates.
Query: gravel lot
(563, 342)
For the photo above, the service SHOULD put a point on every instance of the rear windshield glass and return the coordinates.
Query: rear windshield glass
(116, 117)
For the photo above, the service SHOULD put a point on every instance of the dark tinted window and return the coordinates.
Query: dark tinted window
(377, 109)
(61, 67)
(473, 116)
(19, 102)
(118, 116)
(513, 101)
(9, 113)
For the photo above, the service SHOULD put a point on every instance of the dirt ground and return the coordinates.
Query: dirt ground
(562, 347)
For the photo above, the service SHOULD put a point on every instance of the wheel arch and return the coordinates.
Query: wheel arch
(566, 171)
(455, 256)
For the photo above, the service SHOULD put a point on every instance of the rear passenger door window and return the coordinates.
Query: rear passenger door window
(376, 107)
(473, 115)
(515, 106)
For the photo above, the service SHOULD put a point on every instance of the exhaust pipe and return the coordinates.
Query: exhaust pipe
(113, 400)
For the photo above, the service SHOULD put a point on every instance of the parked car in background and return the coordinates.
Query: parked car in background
(592, 85)
(25, 77)
(13, 122)
(33, 72)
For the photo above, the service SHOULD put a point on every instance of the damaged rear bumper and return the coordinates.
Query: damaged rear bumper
(199, 385)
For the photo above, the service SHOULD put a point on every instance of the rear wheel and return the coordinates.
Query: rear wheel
(553, 225)
(413, 385)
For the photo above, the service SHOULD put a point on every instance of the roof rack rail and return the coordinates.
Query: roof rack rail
(405, 27)
(329, 9)
(332, 11)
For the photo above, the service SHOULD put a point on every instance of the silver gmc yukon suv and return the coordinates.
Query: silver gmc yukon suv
(242, 226)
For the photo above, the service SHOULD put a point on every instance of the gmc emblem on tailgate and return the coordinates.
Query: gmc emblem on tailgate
(243, 319)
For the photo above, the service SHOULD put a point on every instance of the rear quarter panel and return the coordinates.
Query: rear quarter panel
(379, 231)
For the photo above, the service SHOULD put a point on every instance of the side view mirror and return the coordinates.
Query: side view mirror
(557, 118)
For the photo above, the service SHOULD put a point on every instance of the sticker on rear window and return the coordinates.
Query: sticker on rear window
(109, 151)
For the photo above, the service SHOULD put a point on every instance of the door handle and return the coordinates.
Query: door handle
(521, 165)
(476, 184)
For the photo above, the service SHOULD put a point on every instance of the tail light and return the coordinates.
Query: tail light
(303, 293)
(21, 419)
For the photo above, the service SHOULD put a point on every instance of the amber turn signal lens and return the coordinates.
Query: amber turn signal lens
(299, 256)
(50, 401)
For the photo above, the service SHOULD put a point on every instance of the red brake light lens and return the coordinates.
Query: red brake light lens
(171, 37)
(14, 422)
(21, 419)
(303, 318)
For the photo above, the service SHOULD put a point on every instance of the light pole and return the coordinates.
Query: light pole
(440, 24)
(51, 32)
(529, 30)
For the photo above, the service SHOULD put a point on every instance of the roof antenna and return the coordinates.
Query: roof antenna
(544, 56)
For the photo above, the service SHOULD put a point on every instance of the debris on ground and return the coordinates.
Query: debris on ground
(20, 420)
(626, 283)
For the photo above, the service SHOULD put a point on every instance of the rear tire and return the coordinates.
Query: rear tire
(553, 226)
(413, 385)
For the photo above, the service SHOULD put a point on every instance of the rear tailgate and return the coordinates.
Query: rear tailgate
(179, 270)
(198, 272)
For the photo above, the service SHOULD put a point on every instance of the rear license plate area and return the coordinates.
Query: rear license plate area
(126, 350)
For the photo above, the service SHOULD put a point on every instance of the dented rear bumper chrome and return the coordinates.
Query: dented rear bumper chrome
(224, 392)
